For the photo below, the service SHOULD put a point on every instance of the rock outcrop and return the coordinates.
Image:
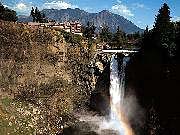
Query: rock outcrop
(42, 71)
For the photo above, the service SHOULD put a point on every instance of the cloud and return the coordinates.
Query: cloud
(89, 9)
(25, 8)
(58, 5)
(22, 8)
(122, 9)
(175, 18)
(139, 5)
(119, 1)
(5, 5)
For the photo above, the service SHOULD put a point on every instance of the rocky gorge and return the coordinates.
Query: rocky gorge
(44, 79)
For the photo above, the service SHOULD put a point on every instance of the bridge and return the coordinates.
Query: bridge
(125, 52)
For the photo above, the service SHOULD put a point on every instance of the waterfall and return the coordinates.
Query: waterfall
(117, 79)
(117, 124)
(117, 86)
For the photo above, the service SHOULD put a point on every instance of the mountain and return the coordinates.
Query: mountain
(99, 19)
(23, 18)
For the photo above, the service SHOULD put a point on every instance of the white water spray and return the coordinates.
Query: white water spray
(118, 123)
(117, 83)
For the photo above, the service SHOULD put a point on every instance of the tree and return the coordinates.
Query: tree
(89, 30)
(119, 38)
(153, 122)
(1, 8)
(37, 15)
(164, 31)
(146, 31)
(163, 28)
(147, 40)
(7, 14)
(36, 12)
(177, 38)
(33, 14)
(105, 34)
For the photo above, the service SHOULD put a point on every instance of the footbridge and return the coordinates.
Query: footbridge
(125, 52)
(106, 55)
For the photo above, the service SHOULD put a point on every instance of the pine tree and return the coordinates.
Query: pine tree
(89, 30)
(105, 34)
(33, 14)
(119, 38)
(147, 40)
(37, 15)
(163, 31)
(163, 28)
(153, 122)
(177, 38)
(7, 14)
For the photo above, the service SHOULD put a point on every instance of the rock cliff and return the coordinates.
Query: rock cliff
(43, 78)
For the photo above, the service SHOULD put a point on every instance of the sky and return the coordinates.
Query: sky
(140, 12)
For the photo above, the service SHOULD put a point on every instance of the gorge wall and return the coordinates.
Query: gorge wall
(154, 76)
(43, 78)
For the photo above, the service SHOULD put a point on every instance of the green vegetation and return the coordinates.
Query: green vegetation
(38, 16)
(89, 33)
(72, 38)
(89, 30)
(7, 14)
(154, 71)
(105, 34)
(40, 91)
(119, 38)
(164, 33)
(33, 75)
(15, 118)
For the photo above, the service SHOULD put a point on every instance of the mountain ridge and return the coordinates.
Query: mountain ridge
(99, 19)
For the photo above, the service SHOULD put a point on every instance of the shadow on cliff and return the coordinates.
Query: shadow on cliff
(155, 79)
(99, 100)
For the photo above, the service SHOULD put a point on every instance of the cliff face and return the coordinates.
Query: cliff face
(43, 78)
(153, 76)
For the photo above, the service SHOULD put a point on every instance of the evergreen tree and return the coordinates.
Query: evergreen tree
(177, 38)
(163, 27)
(136, 35)
(37, 15)
(1, 8)
(153, 122)
(7, 14)
(105, 34)
(119, 38)
(89, 30)
(163, 31)
(146, 31)
(147, 38)
(33, 14)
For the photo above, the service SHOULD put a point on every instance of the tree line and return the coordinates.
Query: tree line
(165, 34)
(117, 39)
(7, 14)
(38, 16)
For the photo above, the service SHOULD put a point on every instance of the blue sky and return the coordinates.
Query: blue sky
(140, 12)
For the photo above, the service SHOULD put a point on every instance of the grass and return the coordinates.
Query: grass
(12, 122)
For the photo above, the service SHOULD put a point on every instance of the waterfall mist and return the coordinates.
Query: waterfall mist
(118, 121)
(123, 108)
